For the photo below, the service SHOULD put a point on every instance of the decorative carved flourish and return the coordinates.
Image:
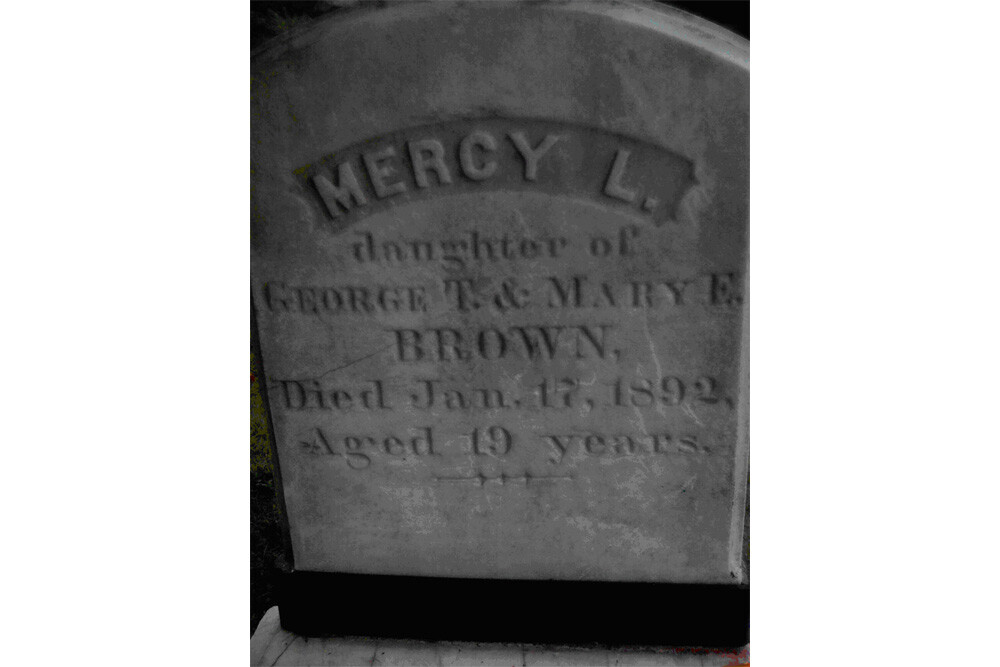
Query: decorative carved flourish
(503, 479)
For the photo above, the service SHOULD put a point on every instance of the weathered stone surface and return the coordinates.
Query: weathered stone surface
(270, 645)
(499, 270)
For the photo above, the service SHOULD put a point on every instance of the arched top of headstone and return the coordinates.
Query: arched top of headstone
(658, 17)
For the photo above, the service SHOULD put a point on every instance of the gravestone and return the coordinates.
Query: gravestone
(499, 278)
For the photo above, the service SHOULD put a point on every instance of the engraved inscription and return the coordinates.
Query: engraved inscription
(576, 291)
(525, 342)
(511, 355)
(358, 450)
(466, 155)
(580, 350)
(565, 392)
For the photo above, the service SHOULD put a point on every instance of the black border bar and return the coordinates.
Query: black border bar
(585, 613)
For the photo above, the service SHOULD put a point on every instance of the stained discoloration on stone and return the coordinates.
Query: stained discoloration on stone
(500, 281)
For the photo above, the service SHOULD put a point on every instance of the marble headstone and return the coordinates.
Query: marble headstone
(499, 274)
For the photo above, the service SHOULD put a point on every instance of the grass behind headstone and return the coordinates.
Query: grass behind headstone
(266, 556)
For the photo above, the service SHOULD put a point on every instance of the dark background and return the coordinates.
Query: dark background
(269, 18)
(732, 15)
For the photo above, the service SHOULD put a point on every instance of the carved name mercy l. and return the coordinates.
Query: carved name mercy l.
(419, 162)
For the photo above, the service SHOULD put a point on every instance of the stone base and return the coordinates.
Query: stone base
(271, 645)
